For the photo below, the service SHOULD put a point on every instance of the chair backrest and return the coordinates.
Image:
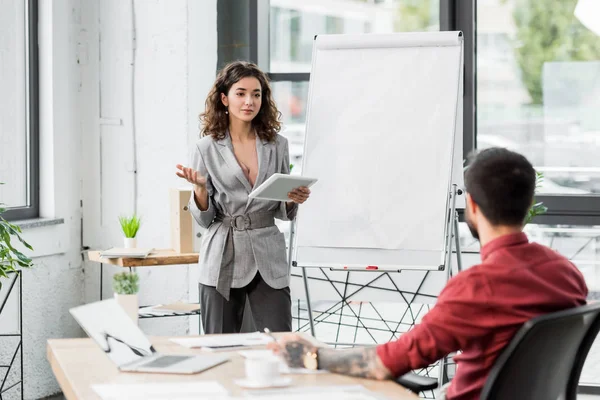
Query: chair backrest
(580, 358)
(542, 359)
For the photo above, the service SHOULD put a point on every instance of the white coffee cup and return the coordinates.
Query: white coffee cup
(263, 370)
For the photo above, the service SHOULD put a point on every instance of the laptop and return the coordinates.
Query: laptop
(127, 346)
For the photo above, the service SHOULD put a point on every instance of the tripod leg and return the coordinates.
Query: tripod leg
(457, 244)
(308, 306)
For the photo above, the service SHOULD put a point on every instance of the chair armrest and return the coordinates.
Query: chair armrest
(417, 383)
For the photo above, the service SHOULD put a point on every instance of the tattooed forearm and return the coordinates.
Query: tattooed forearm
(295, 351)
(362, 362)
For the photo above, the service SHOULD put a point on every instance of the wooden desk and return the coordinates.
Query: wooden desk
(79, 363)
(157, 257)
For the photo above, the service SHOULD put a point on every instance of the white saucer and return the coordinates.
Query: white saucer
(281, 381)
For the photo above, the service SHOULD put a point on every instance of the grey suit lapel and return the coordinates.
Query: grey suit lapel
(226, 150)
(264, 151)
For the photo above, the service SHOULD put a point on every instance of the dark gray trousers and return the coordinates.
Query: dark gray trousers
(270, 308)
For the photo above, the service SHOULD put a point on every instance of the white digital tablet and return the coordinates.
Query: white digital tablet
(278, 186)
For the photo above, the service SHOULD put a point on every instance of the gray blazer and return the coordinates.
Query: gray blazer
(255, 250)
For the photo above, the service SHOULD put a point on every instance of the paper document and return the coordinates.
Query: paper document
(154, 391)
(169, 309)
(354, 392)
(178, 307)
(151, 310)
(283, 368)
(116, 252)
(225, 342)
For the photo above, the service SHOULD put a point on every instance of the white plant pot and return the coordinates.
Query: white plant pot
(129, 302)
(130, 243)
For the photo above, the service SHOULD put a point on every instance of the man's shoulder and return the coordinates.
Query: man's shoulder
(551, 253)
(473, 280)
(539, 256)
(473, 273)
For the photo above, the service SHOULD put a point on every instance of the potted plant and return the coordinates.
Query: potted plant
(11, 258)
(126, 286)
(130, 227)
(536, 208)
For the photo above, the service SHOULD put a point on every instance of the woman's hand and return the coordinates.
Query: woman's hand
(299, 195)
(192, 176)
(199, 182)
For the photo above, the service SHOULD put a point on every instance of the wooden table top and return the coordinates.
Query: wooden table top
(80, 363)
(157, 257)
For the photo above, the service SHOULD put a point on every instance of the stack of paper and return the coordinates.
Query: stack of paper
(352, 392)
(225, 342)
(170, 309)
(154, 391)
(116, 252)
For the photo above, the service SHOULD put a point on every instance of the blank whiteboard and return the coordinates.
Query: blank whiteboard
(380, 137)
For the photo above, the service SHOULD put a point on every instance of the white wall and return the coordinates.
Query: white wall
(85, 72)
(175, 64)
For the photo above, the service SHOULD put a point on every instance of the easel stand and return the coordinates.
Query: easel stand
(451, 238)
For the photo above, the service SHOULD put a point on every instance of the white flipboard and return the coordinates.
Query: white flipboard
(383, 115)
(384, 139)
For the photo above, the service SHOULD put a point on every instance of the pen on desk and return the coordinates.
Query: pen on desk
(268, 332)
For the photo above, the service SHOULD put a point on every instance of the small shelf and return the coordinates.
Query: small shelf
(156, 258)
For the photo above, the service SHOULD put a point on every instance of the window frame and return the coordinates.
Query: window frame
(32, 210)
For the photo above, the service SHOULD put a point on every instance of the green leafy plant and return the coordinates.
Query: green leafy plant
(537, 208)
(416, 16)
(126, 283)
(11, 258)
(291, 167)
(547, 30)
(130, 226)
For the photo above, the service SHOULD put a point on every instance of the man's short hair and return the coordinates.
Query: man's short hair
(502, 183)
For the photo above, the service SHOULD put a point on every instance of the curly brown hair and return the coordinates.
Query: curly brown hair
(215, 121)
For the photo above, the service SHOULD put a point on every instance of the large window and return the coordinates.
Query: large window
(538, 92)
(18, 108)
(538, 88)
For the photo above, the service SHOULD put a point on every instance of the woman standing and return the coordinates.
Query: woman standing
(242, 255)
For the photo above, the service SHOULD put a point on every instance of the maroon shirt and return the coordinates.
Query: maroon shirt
(481, 309)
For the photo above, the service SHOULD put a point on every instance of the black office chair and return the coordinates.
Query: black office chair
(543, 361)
(417, 383)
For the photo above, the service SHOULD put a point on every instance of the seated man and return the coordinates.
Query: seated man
(480, 309)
